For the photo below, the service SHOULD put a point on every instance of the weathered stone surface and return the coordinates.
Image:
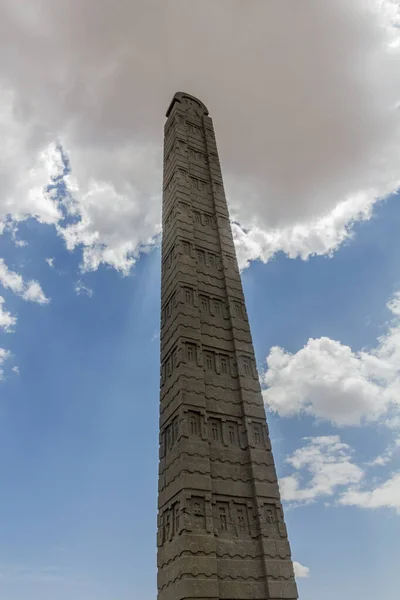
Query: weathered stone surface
(221, 531)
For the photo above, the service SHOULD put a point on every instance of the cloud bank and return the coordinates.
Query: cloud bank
(307, 125)
(329, 381)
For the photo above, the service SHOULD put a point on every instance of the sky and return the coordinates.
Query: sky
(305, 101)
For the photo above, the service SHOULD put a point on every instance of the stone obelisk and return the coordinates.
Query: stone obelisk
(221, 530)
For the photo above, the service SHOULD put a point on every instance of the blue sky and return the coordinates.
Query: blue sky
(304, 98)
(79, 423)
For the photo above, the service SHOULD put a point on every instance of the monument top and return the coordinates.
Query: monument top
(188, 100)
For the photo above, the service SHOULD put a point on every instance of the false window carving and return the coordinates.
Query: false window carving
(217, 304)
(191, 352)
(212, 259)
(194, 423)
(222, 509)
(184, 207)
(224, 362)
(189, 296)
(186, 248)
(242, 519)
(209, 360)
(169, 366)
(230, 262)
(258, 434)
(270, 517)
(167, 525)
(176, 513)
(194, 130)
(171, 434)
(201, 258)
(196, 155)
(167, 310)
(197, 217)
(198, 510)
(233, 434)
(237, 308)
(216, 430)
(247, 370)
(204, 304)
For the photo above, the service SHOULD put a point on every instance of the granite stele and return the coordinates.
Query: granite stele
(221, 529)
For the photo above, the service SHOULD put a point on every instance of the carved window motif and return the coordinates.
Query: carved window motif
(223, 516)
(247, 366)
(176, 517)
(194, 130)
(217, 307)
(197, 217)
(207, 220)
(212, 259)
(186, 248)
(188, 295)
(184, 207)
(224, 362)
(194, 423)
(214, 157)
(199, 512)
(191, 353)
(169, 435)
(258, 434)
(201, 258)
(242, 520)
(167, 525)
(204, 304)
(216, 430)
(237, 307)
(175, 430)
(182, 175)
(209, 361)
(175, 358)
(169, 366)
(196, 184)
(270, 516)
(233, 434)
(219, 188)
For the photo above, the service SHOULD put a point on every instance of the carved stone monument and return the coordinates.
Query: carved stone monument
(221, 530)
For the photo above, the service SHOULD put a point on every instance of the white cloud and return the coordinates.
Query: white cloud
(50, 262)
(15, 369)
(300, 570)
(81, 289)
(387, 456)
(385, 495)
(326, 464)
(30, 290)
(7, 321)
(316, 137)
(4, 355)
(330, 381)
